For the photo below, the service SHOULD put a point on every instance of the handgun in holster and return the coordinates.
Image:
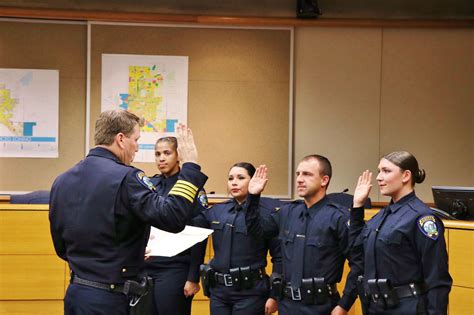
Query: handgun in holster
(321, 292)
(375, 294)
(388, 293)
(276, 286)
(135, 290)
(364, 301)
(207, 279)
(131, 287)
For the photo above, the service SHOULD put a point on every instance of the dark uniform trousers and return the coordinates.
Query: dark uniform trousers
(228, 301)
(99, 302)
(290, 307)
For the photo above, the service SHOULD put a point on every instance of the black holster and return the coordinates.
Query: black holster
(388, 293)
(135, 288)
(375, 293)
(276, 286)
(235, 275)
(321, 292)
(207, 279)
(364, 301)
(247, 281)
(307, 291)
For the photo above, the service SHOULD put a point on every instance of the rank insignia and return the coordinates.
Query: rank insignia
(428, 226)
(145, 181)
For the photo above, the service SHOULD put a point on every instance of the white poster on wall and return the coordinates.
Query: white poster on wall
(29, 107)
(152, 87)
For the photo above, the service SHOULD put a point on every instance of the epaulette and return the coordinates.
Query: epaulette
(417, 205)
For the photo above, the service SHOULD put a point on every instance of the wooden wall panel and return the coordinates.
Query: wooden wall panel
(31, 277)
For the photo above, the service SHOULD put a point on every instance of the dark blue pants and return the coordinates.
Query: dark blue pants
(290, 307)
(408, 306)
(83, 300)
(168, 292)
(228, 301)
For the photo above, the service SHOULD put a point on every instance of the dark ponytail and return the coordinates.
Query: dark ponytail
(407, 162)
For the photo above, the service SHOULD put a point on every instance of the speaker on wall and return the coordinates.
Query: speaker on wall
(307, 9)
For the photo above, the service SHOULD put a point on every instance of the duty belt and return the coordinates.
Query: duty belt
(403, 291)
(133, 289)
(238, 276)
(296, 294)
(116, 288)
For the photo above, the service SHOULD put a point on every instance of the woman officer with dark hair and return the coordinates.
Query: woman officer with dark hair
(175, 279)
(405, 258)
(238, 283)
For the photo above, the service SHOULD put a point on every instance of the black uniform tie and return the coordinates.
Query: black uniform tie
(370, 253)
(227, 238)
(298, 252)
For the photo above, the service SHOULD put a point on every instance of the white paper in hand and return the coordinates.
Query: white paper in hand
(170, 244)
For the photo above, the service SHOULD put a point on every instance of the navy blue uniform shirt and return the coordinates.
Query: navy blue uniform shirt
(327, 241)
(409, 247)
(246, 250)
(191, 258)
(101, 211)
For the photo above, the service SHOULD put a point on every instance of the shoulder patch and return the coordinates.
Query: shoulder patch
(429, 226)
(202, 197)
(145, 181)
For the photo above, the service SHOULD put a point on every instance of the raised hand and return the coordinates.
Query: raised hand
(187, 151)
(362, 190)
(259, 180)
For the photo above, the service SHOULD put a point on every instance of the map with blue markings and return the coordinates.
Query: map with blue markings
(29, 102)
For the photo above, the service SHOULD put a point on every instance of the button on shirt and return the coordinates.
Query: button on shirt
(327, 241)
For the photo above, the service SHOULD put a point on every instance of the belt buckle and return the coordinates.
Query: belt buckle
(295, 294)
(227, 280)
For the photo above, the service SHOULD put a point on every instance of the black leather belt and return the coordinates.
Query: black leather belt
(295, 294)
(412, 289)
(227, 279)
(117, 288)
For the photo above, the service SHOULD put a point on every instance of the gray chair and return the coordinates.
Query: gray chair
(34, 197)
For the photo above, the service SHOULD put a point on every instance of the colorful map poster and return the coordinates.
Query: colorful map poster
(29, 102)
(152, 87)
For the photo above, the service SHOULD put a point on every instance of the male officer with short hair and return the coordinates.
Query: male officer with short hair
(101, 211)
(314, 235)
